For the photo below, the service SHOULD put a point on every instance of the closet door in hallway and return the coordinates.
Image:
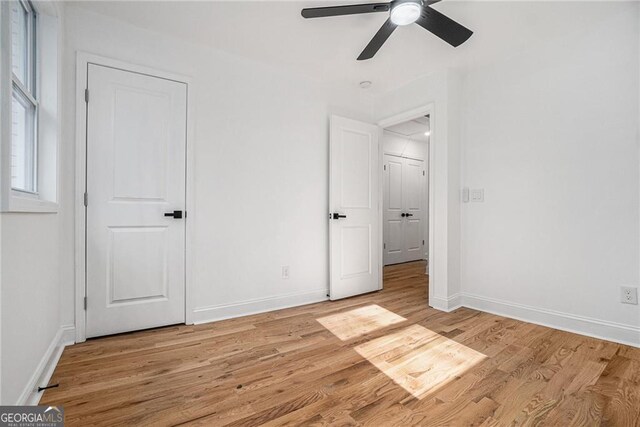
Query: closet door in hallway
(404, 212)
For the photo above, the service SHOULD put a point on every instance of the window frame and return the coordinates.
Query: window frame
(28, 91)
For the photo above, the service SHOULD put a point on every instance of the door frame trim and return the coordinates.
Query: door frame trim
(428, 109)
(83, 59)
(403, 157)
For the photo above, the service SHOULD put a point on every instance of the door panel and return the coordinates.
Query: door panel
(356, 254)
(414, 191)
(149, 246)
(140, 152)
(393, 248)
(412, 185)
(354, 192)
(136, 148)
(355, 183)
(412, 240)
(395, 242)
(394, 167)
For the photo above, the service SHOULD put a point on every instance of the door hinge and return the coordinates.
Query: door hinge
(385, 167)
(423, 243)
(86, 96)
(85, 303)
(384, 246)
(423, 173)
(86, 199)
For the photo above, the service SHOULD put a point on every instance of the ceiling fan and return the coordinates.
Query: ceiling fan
(401, 12)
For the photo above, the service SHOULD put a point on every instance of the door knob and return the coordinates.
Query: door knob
(403, 214)
(174, 214)
(337, 216)
(408, 215)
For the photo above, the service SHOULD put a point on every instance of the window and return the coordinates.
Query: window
(24, 103)
(29, 105)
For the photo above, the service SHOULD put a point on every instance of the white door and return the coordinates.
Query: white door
(354, 203)
(136, 152)
(413, 197)
(404, 212)
(393, 247)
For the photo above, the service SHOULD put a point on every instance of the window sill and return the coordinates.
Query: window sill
(25, 204)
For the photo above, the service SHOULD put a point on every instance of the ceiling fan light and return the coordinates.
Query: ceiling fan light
(406, 13)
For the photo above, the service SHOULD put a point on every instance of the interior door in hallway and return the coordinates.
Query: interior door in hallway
(136, 153)
(404, 212)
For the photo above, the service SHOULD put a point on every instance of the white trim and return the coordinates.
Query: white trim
(190, 208)
(447, 305)
(259, 305)
(428, 109)
(5, 104)
(596, 328)
(80, 220)
(18, 203)
(42, 374)
(582, 325)
(83, 60)
(401, 156)
(408, 115)
(381, 207)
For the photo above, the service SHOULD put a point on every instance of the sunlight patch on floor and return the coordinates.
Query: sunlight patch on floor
(359, 321)
(419, 360)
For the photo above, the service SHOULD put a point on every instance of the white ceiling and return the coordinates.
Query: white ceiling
(412, 129)
(326, 48)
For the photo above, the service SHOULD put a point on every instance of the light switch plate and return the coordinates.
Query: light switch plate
(477, 195)
(465, 195)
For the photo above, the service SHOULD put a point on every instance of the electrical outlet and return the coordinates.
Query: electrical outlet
(285, 271)
(628, 295)
(477, 195)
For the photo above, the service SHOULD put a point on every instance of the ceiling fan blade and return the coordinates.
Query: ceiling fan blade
(352, 9)
(378, 40)
(445, 28)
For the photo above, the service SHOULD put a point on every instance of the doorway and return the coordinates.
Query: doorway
(405, 148)
(359, 168)
(135, 200)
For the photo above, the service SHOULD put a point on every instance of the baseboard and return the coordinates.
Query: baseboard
(41, 376)
(596, 328)
(446, 304)
(260, 305)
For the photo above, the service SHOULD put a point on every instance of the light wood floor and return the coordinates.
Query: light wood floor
(379, 359)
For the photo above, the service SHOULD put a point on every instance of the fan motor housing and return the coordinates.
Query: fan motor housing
(405, 12)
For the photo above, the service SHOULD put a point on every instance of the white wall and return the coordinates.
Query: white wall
(31, 282)
(261, 168)
(551, 134)
(30, 296)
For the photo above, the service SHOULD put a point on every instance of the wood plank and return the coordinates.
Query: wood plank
(379, 359)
